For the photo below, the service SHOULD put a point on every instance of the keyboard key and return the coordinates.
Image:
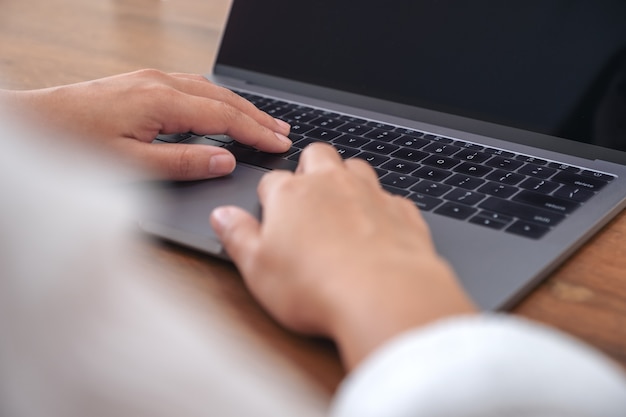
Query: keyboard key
(441, 139)
(527, 229)
(409, 154)
(537, 171)
(580, 181)
(275, 110)
(498, 190)
(547, 202)
(505, 177)
(522, 211)
(468, 145)
(174, 138)
(380, 126)
(380, 147)
(380, 172)
(598, 175)
(373, 159)
(402, 167)
(386, 135)
(398, 180)
(577, 194)
(433, 174)
(295, 137)
(473, 169)
(411, 142)
(324, 134)
(531, 159)
(346, 152)
(440, 161)
(295, 156)
(220, 138)
(431, 188)
(564, 167)
(487, 222)
(327, 123)
(305, 141)
(459, 195)
(262, 159)
(300, 116)
(465, 181)
(441, 149)
(301, 128)
(326, 113)
(472, 156)
(352, 119)
(394, 190)
(409, 132)
(495, 216)
(351, 141)
(500, 152)
(354, 129)
(204, 140)
(507, 164)
(457, 211)
(425, 202)
(539, 185)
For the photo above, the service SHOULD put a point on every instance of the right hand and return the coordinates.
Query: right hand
(336, 255)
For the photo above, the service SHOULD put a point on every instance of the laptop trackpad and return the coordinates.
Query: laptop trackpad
(183, 211)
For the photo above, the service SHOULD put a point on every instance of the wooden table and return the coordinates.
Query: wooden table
(51, 42)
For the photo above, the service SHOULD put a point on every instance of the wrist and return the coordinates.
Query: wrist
(384, 306)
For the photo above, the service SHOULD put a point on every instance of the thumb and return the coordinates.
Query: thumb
(238, 231)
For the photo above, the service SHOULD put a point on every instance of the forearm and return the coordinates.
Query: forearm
(36, 107)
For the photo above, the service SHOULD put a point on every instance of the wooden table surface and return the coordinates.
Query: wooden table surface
(50, 42)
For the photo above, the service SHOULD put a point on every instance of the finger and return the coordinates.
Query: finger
(198, 85)
(239, 233)
(363, 170)
(180, 161)
(318, 157)
(205, 116)
(271, 183)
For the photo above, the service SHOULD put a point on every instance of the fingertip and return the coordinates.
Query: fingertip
(222, 219)
(221, 164)
(237, 230)
(283, 127)
(284, 140)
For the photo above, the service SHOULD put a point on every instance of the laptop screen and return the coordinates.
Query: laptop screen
(554, 67)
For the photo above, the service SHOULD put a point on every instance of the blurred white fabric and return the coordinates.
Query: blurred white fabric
(86, 329)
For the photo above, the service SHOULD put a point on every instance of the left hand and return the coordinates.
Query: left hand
(124, 113)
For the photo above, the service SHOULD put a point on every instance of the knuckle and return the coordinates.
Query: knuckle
(184, 164)
(227, 113)
(150, 73)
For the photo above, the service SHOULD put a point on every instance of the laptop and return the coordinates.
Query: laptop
(505, 122)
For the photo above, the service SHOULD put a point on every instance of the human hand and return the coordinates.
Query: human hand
(335, 255)
(124, 113)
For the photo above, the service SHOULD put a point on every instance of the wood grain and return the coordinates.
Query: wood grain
(45, 43)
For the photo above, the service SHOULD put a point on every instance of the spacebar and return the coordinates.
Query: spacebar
(262, 159)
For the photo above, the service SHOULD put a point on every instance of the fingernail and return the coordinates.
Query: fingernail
(221, 164)
(221, 217)
(283, 138)
(283, 125)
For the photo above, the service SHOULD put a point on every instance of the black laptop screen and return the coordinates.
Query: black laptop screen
(556, 67)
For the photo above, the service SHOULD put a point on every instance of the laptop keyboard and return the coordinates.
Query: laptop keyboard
(486, 186)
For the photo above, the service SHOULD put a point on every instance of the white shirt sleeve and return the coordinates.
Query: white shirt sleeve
(491, 365)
